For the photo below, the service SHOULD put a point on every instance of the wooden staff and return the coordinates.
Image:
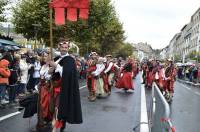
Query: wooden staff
(51, 32)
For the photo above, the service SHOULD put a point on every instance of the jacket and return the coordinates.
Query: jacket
(4, 71)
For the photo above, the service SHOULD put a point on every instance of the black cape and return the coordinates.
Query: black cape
(30, 105)
(69, 107)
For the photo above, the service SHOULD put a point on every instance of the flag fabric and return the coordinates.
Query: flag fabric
(83, 14)
(72, 14)
(59, 16)
(72, 6)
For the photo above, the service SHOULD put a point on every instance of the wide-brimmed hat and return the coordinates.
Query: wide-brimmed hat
(93, 53)
(108, 55)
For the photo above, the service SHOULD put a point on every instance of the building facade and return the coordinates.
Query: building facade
(187, 41)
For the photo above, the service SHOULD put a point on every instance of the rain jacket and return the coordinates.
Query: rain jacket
(4, 71)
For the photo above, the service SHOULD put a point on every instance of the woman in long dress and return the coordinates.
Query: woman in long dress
(125, 78)
(45, 112)
(98, 74)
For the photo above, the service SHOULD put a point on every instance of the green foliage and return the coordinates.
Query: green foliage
(194, 55)
(124, 51)
(102, 32)
(3, 3)
(29, 12)
(177, 58)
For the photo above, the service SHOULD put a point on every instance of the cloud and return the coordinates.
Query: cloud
(154, 21)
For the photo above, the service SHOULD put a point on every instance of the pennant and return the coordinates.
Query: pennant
(72, 14)
(59, 16)
(83, 14)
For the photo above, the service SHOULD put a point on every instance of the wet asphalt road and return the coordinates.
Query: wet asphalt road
(185, 107)
(119, 112)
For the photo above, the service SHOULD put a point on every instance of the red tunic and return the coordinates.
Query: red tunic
(90, 78)
(125, 81)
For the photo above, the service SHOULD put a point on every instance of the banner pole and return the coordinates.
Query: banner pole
(51, 32)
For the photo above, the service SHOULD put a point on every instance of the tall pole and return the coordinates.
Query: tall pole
(51, 32)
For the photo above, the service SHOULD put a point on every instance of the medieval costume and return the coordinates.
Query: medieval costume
(160, 78)
(99, 82)
(170, 74)
(45, 110)
(69, 105)
(125, 80)
(150, 75)
(110, 72)
(144, 67)
(90, 79)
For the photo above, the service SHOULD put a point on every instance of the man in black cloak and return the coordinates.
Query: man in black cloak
(69, 105)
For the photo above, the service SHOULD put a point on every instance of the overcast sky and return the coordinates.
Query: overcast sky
(154, 21)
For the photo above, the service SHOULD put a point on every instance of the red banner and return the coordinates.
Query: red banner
(59, 16)
(83, 14)
(71, 6)
(72, 14)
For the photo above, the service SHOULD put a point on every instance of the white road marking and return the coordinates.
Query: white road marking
(197, 93)
(82, 87)
(143, 114)
(186, 87)
(9, 115)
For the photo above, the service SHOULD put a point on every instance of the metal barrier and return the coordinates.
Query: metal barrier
(159, 112)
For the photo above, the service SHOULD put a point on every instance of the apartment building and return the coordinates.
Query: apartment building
(188, 40)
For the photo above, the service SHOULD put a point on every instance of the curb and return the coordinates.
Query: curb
(189, 83)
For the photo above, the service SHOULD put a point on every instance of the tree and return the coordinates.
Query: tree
(194, 55)
(102, 32)
(3, 3)
(124, 51)
(177, 58)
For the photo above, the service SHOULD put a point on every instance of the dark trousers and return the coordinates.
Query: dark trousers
(20, 88)
(12, 93)
(2, 91)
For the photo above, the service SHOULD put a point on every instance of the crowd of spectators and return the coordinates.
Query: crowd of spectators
(19, 74)
(189, 72)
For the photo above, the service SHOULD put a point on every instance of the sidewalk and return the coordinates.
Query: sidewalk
(189, 83)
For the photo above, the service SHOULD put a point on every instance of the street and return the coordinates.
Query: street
(119, 112)
(185, 108)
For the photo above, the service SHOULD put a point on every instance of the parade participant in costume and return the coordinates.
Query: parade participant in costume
(170, 73)
(149, 74)
(144, 69)
(160, 76)
(161, 81)
(98, 74)
(116, 70)
(90, 78)
(134, 68)
(68, 105)
(125, 79)
(109, 71)
(45, 111)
